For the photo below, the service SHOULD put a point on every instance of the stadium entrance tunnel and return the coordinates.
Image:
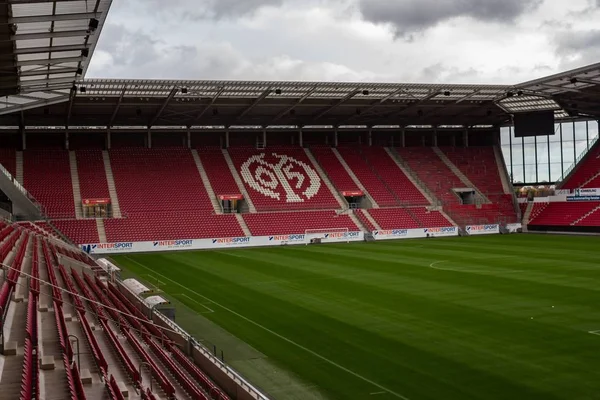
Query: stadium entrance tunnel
(466, 195)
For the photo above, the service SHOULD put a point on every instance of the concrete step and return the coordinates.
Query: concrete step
(238, 181)
(243, 224)
(112, 190)
(75, 184)
(411, 176)
(463, 178)
(354, 178)
(206, 182)
(591, 179)
(371, 220)
(504, 178)
(101, 230)
(585, 216)
(325, 178)
(19, 167)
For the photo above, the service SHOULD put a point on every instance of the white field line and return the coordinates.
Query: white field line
(595, 332)
(210, 310)
(153, 278)
(290, 341)
(476, 270)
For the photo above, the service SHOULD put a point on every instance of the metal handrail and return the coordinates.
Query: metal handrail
(20, 187)
(576, 162)
(229, 371)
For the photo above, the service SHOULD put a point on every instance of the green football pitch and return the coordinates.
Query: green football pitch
(495, 317)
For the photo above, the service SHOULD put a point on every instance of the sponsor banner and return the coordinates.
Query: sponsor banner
(514, 228)
(95, 202)
(583, 198)
(341, 237)
(231, 197)
(287, 238)
(234, 241)
(483, 229)
(216, 243)
(586, 192)
(352, 193)
(414, 233)
(173, 244)
(435, 232)
(108, 248)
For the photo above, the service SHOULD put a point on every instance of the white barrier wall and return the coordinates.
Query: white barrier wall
(483, 229)
(219, 243)
(414, 233)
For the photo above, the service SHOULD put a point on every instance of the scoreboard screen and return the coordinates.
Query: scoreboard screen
(539, 123)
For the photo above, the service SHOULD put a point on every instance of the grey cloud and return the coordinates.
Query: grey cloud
(213, 9)
(440, 73)
(411, 16)
(124, 53)
(576, 48)
(234, 8)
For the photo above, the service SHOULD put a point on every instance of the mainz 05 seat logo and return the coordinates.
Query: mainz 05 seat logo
(281, 177)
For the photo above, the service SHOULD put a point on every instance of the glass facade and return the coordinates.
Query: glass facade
(545, 159)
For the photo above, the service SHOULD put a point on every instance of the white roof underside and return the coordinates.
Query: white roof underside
(53, 42)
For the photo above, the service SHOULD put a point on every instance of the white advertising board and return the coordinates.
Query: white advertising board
(482, 229)
(514, 228)
(414, 233)
(217, 243)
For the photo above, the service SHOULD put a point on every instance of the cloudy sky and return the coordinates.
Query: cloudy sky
(457, 41)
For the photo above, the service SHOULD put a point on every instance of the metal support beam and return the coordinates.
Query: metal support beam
(42, 50)
(116, 110)
(290, 108)
(43, 82)
(35, 72)
(207, 107)
(48, 87)
(260, 98)
(467, 96)
(70, 106)
(431, 95)
(50, 18)
(46, 61)
(371, 107)
(156, 116)
(47, 35)
(33, 104)
(38, 1)
(336, 105)
(588, 81)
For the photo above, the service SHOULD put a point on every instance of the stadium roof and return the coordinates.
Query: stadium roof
(45, 46)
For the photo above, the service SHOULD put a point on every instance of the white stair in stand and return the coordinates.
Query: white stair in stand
(424, 192)
(206, 182)
(242, 223)
(342, 202)
(238, 181)
(75, 185)
(463, 178)
(354, 178)
(371, 219)
(112, 190)
(19, 167)
(101, 230)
